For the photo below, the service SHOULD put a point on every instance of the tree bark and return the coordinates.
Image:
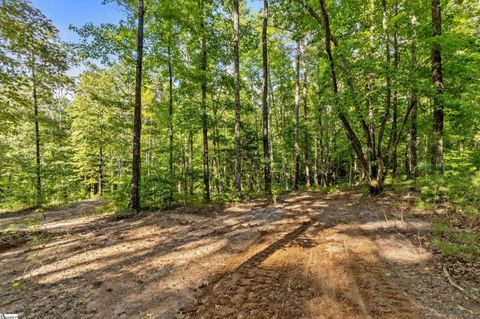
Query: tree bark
(265, 111)
(137, 119)
(100, 171)
(377, 183)
(396, 61)
(315, 162)
(171, 172)
(305, 119)
(414, 103)
(191, 169)
(38, 172)
(236, 85)
(437, 79)
(216, 158)
(206, 168)
(296, 180)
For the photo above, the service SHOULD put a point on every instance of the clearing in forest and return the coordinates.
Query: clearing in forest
(306, 256)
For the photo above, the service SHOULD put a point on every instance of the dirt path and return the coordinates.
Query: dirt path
(308, 256)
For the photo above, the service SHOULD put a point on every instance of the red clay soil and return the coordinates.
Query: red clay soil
(307, 256)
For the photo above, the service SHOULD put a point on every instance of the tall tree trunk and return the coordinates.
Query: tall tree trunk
(437, 78)
(191, 169)
(185, 171)
(315, 162)
(270, 126)
(296, 180)
(306, 153)
(236, 85)
(216, 159)
(372, 154)
(284, 172)
(100, 171)
(380, 157)
(38, 172)
(319, 147)
(372, 129)
(255, 163)
(171, 172)
(350, 168)
(265, 112)
(206, 168)
(137, 120)
(396, 61)
(414, 104)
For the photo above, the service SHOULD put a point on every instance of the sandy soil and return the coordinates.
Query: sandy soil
(307, 256)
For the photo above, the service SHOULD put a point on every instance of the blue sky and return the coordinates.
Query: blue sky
(64, 13)
(77, 12)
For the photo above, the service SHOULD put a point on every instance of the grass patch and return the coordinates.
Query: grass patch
(463, 244)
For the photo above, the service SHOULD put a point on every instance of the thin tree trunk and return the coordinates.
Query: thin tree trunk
(184, 169)
(206, 168)
(255, 180)
(296, 180)
(372, 155)
(305, 119)
(190, 163)
(372, 129)
(414, 103)
(38, 172)
(437, 78)
(236, 84)
(265, 112)
(270, 126)
(100, 171)
(315, 164)
(322, 148)
(350, 168)
(217, 158)
(396, 61)
(171, 172)
(377, 185)
(137, 120)
(285, 174)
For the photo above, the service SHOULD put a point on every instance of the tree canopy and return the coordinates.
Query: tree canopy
(228, 102)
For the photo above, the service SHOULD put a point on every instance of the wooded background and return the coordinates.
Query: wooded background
(226, 102)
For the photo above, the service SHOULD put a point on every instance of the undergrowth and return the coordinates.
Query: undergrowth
(456, 197)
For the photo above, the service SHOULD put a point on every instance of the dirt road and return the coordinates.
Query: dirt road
(307, 256)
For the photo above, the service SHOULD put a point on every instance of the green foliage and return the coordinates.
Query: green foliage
(86, 126)
(464, 245)
(457, 191)
(33, 62)
(459, 186)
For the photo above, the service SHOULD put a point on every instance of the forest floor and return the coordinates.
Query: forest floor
(343, 255)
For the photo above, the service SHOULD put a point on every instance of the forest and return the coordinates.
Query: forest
(199, 104)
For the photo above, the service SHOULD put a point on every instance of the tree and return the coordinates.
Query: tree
(306, 152)
(236, 84)
(206, 168)
(30, 48)
(137, 121)
(265, 111)
(413, 171)
(437, 79)
(204, 82)
(296, 111)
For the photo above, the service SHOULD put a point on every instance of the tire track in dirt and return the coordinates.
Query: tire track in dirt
(325, 268)
(241, 280)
